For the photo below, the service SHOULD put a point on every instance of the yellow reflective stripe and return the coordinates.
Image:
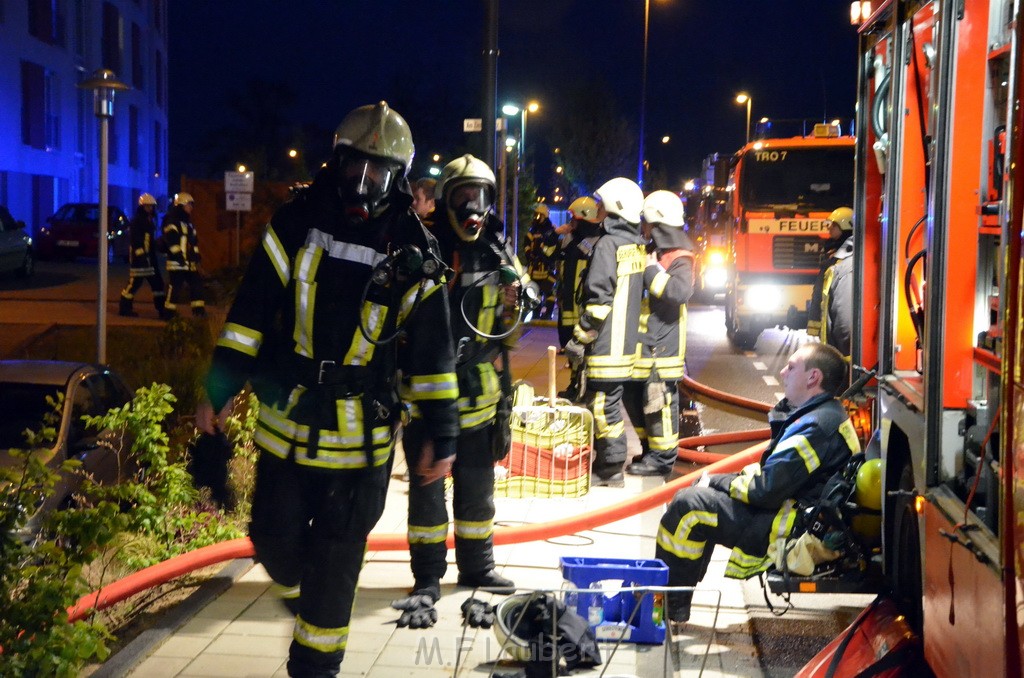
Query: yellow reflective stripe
(277, 255)
(679, 543)
(826, 284)
(849, 434)
(581, 335)
(307, 262)
(320, 638)
(360, 352)
(740, 485)
(471, 417)
(659, 283)
(470, 529)
(285, 592)
(743, 566)
(603, 429)
(803, 448)
(488, 308)
(427, 534)
(305, 299)
(409, 299)
(240, 338)
(432, 387)
(598, 311)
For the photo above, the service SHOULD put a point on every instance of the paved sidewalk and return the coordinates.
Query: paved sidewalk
(245, 631)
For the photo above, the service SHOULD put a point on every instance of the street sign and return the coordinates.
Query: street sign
(238, 202)
(473, 125)
(238, 182)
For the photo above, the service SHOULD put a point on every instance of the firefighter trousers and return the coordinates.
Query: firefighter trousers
(309, 529)
(700, 517)
(178, 281)
(659, 434)
(156, 285)
(604, 398)
(472, 506)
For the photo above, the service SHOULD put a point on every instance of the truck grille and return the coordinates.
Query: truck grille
(796, 252)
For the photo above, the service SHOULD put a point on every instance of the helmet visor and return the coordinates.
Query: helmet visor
(471, 199)
(368, 178)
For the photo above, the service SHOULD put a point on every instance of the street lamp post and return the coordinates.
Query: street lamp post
(104, 84)
(512, 109)
(643, 98)
(744, 98)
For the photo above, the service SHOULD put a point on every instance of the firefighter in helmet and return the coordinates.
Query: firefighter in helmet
(668, 278)
(181, 244)
(577, 238)
(541, 244)
(487, 282)
(830, 316)
(606, 336)
(341, 273)
(142, 261)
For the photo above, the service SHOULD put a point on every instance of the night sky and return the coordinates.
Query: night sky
(796, 58)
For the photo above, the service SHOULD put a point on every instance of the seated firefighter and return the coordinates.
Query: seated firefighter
(812, 439)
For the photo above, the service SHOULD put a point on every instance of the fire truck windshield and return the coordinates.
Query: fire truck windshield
(819, 179)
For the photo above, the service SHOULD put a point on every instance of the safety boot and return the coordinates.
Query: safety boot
(125, 309)
(490, 580)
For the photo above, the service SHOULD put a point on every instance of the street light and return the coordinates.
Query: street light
(512, 109)
(104, 84)
(744, 98)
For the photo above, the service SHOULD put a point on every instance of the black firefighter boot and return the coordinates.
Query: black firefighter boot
(126, 308)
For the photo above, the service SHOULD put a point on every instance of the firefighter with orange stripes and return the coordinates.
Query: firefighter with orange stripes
(345, 290)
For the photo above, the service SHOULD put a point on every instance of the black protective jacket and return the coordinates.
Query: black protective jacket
(809, 444)
(313, 334)
(179, 240)
(830, 313)
(574, 253)
(669, 287)
(477, 308)
(610, 302)
(142, 257)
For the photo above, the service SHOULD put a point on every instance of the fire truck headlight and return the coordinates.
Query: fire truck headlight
(763, 298)
(714, 278)
(716, 258)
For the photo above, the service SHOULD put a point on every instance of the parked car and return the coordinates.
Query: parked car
(73, 231)
(15, 246)
(88, 390)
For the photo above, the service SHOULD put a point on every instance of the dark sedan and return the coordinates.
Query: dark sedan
(15, 246)
(88, 390)
(73, 231)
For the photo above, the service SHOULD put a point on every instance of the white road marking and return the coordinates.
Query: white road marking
(770, 380)
(760, 366)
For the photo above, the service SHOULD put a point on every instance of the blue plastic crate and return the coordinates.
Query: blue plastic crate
(608, 614)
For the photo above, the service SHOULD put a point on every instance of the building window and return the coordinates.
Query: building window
(40, 125)
(137, 65)
(158, 63)
(133, 137)
(158, 15)
(112, 44)
(158, 149)
(113, 154)
(45, 21)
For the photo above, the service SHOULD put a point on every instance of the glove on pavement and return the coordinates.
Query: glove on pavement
(477, 613)
(417, 609)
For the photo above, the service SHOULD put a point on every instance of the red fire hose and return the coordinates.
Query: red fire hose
(724, 397)
(242, 548)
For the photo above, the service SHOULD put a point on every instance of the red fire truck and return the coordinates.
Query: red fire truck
(780, 192)
(939, 224)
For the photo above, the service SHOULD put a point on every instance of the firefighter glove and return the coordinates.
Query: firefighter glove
(417, 609)
(575, 353)
(477, 613)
